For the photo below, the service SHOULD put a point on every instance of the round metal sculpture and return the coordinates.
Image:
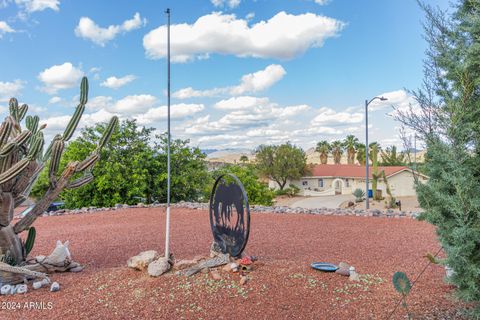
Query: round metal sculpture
(229, 215)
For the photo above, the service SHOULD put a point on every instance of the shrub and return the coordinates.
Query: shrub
(359, 194)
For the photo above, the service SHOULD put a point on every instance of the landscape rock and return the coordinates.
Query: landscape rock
(243, 280)
(354, 276)
(6, 289)
(159, 267)
(37, 285)
(142, 261)
(21, 288)
(343, 271)
(55, 287)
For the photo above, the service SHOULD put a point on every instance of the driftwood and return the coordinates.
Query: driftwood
(59, 260)
(219, 260)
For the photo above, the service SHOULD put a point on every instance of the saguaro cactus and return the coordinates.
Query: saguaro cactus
(21, 160)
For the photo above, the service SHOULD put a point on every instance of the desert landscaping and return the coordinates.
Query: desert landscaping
(281, 283)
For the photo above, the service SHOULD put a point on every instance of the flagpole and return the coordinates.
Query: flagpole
(167, 232)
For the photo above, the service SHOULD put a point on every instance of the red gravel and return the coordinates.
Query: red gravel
(282, 285)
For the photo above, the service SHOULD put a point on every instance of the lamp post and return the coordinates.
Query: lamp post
(367, 204)
(167, 224)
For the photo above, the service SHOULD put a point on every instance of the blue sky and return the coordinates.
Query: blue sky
(244, 72)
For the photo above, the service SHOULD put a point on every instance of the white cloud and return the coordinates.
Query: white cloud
(327, 116)
(292, 111)
(54, 100)
(134, 104)
(284, 36)
(89, 30)
(60, 77)
(322, 2)
(115, 83)
(259, 80)
(230, 3)
(5, 28)
(401, 99)
(177, 112)
(10, 89)
(38, 5)
(249, 83)
(241, 103)
(99, 103)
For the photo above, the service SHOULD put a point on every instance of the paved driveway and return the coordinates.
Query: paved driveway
(324, 201)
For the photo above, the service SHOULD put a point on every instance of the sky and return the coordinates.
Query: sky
(243, 72)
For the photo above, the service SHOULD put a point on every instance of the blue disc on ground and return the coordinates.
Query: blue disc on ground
(324, 266)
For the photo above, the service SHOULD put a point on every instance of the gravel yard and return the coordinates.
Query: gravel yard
(281, 286)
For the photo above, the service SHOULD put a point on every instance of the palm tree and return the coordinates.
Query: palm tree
(350, 144)
(337, 151)
(324, 148)
(361, 156)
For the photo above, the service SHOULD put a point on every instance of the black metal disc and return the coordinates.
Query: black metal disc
(229, 215)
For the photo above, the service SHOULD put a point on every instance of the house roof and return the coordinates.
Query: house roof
(351, 171)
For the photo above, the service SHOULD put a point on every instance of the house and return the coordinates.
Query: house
(332, 179)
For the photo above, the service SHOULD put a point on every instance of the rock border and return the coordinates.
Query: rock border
(389, 213)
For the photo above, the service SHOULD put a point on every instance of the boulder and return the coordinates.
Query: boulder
(158, 267)
(141, 261)
(55, 287)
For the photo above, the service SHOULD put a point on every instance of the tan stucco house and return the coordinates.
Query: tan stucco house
(331, 179)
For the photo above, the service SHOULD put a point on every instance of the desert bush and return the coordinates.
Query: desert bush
(359, 194)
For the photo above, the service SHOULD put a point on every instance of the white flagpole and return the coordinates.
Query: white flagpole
(167, 232)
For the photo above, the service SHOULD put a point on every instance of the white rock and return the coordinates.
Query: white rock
(21, 288)
(55, 287)
(37, 285)
(141, 261)
(158, 267)
(6, 289)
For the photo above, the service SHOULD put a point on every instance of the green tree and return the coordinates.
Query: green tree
(447, 120)
(350, 144)
(324, 148)
(374, 151)
(390, 157)
(361, 156)
(257, 192)
(337, 151)
(243, 159)
(133, 169)
(189, 175)
(281, 163)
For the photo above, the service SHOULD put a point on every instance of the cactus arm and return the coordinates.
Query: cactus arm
(108, 132)
(48, 152)
(57, 151)
(72, 125)
(77, 183)
(5, 131)
(14, 171)
(22, 111)
(84, 91)
(13, 104)
(88, 162)
(30, 240)
(44, 203)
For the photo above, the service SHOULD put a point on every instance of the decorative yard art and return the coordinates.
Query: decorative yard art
(229, 215)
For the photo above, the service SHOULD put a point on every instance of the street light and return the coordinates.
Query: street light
(367, 205)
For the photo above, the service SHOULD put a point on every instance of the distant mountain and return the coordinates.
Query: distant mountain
(208, 151)
(229, 155)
